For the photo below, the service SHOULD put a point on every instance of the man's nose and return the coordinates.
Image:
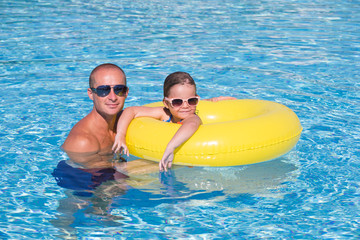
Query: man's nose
(112, 94)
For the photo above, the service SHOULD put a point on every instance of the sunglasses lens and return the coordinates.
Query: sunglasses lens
(120, 90)
(177, 102)
(103, 91)
(193, 101)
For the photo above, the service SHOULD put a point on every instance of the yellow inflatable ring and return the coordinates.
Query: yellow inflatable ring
(234, 132)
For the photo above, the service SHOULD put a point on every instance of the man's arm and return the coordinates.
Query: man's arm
(80, 142)
(84, 148)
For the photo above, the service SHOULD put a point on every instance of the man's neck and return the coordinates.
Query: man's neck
(103, 122)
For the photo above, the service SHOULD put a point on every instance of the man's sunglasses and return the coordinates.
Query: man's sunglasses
(104, 90)
(178, 102)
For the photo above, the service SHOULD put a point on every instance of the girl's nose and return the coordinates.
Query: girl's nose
(185, 104)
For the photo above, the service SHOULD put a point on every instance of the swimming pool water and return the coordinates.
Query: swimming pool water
(303, 54)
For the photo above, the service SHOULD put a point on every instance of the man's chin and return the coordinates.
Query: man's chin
(114, 109)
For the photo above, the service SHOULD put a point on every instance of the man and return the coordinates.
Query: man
(89, 143)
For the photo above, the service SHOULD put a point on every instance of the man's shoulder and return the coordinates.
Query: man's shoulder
(81, 139)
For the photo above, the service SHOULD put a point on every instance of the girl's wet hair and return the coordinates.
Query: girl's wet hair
(177, 78)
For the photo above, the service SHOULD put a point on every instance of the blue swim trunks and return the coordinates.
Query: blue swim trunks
(80, 179)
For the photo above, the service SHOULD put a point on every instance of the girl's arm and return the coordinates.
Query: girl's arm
(221, 98)
(125, 119)
(187, 129)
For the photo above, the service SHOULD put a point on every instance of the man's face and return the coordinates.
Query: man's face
(109, 105)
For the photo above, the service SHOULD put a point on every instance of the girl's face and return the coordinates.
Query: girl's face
(184, 92)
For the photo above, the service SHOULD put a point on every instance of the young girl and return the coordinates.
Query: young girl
(180, 100)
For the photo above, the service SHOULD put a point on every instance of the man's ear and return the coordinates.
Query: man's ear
(90, 94)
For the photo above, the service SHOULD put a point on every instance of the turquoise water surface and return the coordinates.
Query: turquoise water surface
(303, 54)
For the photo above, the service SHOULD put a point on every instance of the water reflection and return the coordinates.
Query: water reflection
(258, 178)
(99, 197)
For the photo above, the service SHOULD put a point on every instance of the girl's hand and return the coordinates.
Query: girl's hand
(166, 160)
(188, 128)
(120, 146)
